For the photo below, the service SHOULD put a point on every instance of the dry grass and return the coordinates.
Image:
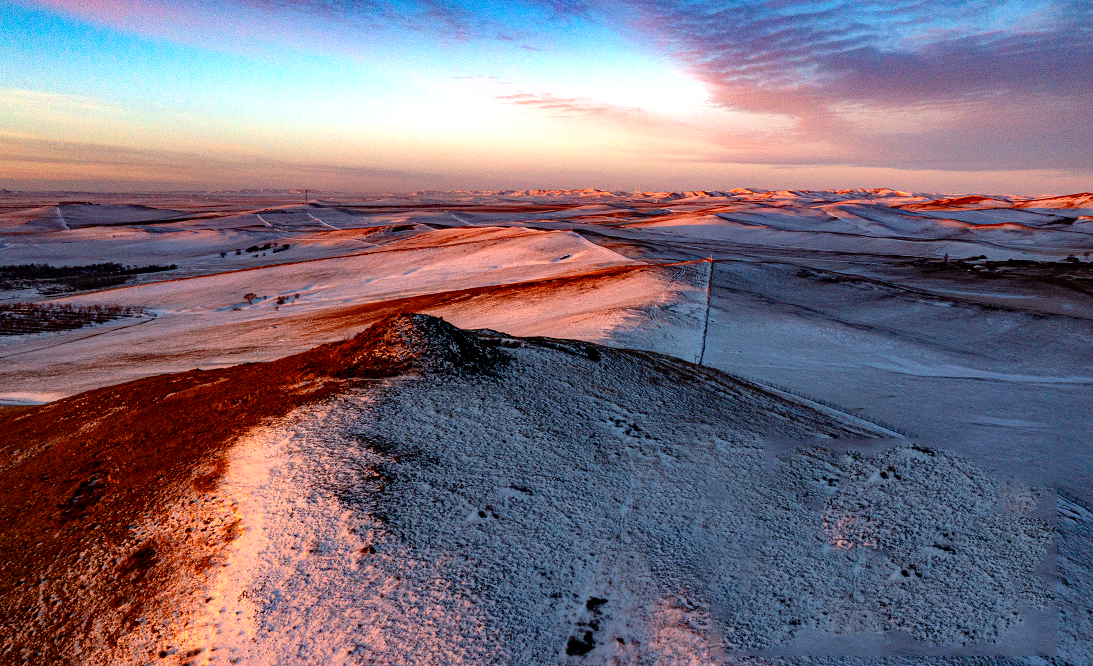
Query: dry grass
(80, 473)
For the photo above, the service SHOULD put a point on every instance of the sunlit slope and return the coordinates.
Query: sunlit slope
(432, 261)
(522, 281)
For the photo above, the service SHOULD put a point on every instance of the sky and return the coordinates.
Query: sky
(403, 95)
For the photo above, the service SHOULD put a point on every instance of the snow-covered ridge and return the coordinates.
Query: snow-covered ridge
(482, 498)
(152, 535)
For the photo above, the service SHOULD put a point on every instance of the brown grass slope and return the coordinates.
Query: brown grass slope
(78, 478)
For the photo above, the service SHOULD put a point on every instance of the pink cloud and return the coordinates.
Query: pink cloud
(566, 106)
(1016, 97)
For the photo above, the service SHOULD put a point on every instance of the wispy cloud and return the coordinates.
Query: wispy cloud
(443, 18)
(567, 106)
(38, 100)
(41, 163)
(447, 19)
(994, 66)
(186, 19)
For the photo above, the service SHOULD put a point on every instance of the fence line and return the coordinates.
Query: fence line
(825, 403)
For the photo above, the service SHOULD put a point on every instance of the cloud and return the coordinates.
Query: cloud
(38, 100)
(966, 84)
(566, 106)
(1014, 78)
(526, 22)
(937, 84)
(39, 163)
(435, 16)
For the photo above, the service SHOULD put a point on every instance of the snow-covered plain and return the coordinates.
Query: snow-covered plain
(853, 298)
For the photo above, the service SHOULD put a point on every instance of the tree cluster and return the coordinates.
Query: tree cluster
(63, 279)
(24, 318)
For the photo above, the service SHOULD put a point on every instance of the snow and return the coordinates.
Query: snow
(498, 519)
(694, 523)
(435, 260)
(206, 321)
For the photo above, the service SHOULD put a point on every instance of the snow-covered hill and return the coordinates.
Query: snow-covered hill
(421, 494)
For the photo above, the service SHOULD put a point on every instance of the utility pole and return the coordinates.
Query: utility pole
(305, 197)
(709, 302)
